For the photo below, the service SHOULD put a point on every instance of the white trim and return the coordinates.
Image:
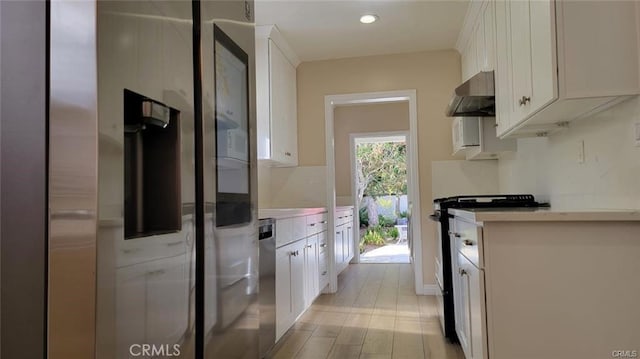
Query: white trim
(354, 198)
(430, 289)
(368, 137)
(330, 102)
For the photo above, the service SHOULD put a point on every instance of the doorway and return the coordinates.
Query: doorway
(380, 187)
(414, 228)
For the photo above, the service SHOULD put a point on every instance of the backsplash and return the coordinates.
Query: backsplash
(609, 178)
(457, 177)
(304, 186)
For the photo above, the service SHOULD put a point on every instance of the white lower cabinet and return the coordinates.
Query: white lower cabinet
(289, 285)
(298, 268)
(469, 322)
(323, 260)
(311, 270)
(348, 245)
(468, 289)
(339, 246)
(526, 283)
(344, 244)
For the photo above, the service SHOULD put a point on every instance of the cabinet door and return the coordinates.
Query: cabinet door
(520, 42)
(323, 261)
(463, 305)
(480, 47)
(469, 57)
(311, 269)
(473, 322)
(339, 246)
(279, 92)
(503, 88)
(489, 36)
(348, 239)
(291, 116)
(284, 133)
(284, 306)
(297, 279)
(543, 54)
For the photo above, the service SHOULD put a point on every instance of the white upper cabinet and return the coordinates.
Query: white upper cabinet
(478, 54)
(476, 136)
(557, 61)
(276, 98)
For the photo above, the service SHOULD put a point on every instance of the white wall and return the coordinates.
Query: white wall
(609, 178)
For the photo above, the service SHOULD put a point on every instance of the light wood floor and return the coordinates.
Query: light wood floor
(374, 315)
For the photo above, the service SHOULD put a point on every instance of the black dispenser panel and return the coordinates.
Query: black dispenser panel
(151, 167)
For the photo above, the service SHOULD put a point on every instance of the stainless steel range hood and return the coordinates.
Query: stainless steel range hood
(475, 97)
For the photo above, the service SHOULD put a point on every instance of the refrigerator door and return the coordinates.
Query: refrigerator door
(146, 177)
(231, 321)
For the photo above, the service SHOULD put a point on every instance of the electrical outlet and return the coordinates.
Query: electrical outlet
(637, 133)
(581, 151)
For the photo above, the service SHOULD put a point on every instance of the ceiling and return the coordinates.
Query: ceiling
(330, 29)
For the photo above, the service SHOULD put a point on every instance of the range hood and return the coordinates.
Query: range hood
(475, 97)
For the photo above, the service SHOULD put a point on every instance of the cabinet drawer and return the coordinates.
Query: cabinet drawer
(299, 227)
(284, 231)
(468, 241)
(343, 217)
(316, 223)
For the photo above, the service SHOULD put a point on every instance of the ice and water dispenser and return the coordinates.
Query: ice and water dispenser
(151, 167)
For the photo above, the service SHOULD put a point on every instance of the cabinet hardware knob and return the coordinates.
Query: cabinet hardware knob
(324, 273)
(308, 246)
(467, 242)
(323, 222)
(287, 154)
(523, 101)
(452, 233)
(323, 245)
(462, 272)
(312, 224)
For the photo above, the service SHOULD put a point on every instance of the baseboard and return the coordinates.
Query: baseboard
(429, 289)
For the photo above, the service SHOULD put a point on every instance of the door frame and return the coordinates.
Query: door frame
(353, 138)
(330, 103)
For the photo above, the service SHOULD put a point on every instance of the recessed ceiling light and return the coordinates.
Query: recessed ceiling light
(368, 19)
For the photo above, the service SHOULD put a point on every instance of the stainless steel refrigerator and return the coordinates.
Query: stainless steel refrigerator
(153, 225)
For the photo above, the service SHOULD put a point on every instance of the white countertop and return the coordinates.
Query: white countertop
(545, 215)
(279, 213)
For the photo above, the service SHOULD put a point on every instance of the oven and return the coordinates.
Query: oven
(443, 260)
(444, 294)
